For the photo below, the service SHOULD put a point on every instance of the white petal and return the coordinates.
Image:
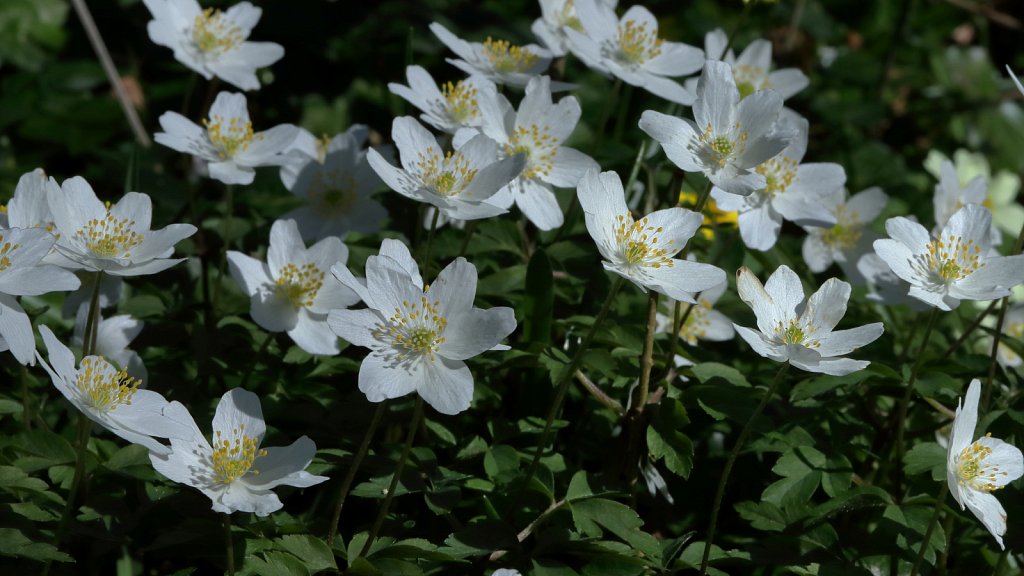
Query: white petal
(239, 411)
(447, 386)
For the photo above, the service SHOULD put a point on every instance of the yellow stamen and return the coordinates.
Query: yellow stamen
(104, 389)
(539, 146)
(416, 329)
(110, 237)
(636, 43)
(214, 34)
(507, 57)
(229, 139)
(233, 457)
(973, 470)
(639, 243)
(299, 284)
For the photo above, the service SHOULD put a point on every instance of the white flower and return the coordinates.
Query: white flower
(497, 60)
(752, 69)
(793, 191)
(28, 207)
(1000, 198)
(629, 49)
(802, 334)
(113, 239)
(211, 42)
(957, 265)
(885, 286)
(1016, 81)
(226, 140)
(1013, 327)
(291, 291)
(459, 183)
(113, 335)
(22, 273)
(418, 335)
(703, 322)
(846, 240)
(111, 290)
(555, 16)
(234, 472)
(335, 180)
(112, 398)
(950, 197)
(729, 138)
(536, 131)
(975, 469)
(642, 251)
(449, 106)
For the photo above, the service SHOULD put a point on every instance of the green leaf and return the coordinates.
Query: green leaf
(14, 543)
(763, 515)
(479, 538)
(594, 515)
(501, 463)
(10, 407)
(708, 371)
(313, 552)
(538, 300)
(665, 439)
(926, 457)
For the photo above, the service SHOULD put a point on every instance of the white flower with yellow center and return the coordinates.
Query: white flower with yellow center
(116, 239)
(555, 17)
(629, 49)
(497, 60)
(112, 398)
(793, 191)
(24, 273)
(537, 131)
(292, 292)
(419, 336)
(790, 330)
(976, 469)
(211, 42)
(335, 180)
(226, 140)
(753, 69)
(113, 335)
(459, 183)
(956, 265)
(703, 322)
(950, 196)
(232, 470)
(1001, 196)
(447, 107)
(729, 139)
(848, 239)
(28, 207)
(642, 251)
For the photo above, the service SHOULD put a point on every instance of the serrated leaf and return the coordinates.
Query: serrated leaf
(665, 439)
(312, 551)
(594, 515)
(708, 371)
(14, 543)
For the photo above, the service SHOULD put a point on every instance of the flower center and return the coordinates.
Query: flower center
(506, 57)
(779, 172)
(460, 99)
(333, 193)
(299, 284)
(105, 388)
(636, 44)
(717, 150)
(972, 469)
(639, 244)
(954, 259)
(229, 138)
(792, 333)
(214, 34)
(415, 330)
(233, 457)
(110, 237)
(539, 146)
(446, 176)
(749, 79)
(6, 249)
(846, 231)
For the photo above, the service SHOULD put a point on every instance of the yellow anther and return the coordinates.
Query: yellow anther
(104, 388)
(779, 172)
(230, 138)
(460, 98)
(539, 146)
(6, 249)
(974, 471)
(299, 284)
(639, 243)
(234, 456)
(447, 176)
(213, 34)
(506, 57)
(719, 149)
(636, 43)
(416, 330)
(110, 236)
(953, 259)
(846, 232)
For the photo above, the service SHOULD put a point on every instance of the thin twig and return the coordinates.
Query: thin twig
(598, 394)
(350, 475)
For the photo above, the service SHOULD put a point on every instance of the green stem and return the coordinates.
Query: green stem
(350, 475)
(970, 329)
(386, 505)
(901, 419)
(939, 501)
(92, 318)
(565, 377)
(634, 172)
(641, 392)
(81, 448)
(229, 545)
(425, 260)
(720, 491)
(1017, 246)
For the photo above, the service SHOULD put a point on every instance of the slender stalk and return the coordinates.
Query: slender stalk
(739, 26)
(598, 394)
(229, 547)
(947, 529)
(901, 419)
(96, 39)
(92, 318)
(635, 170)
(565, 377)
(525, 532)
(350, 475)
(417, 418)
(81, 446)
(969, 330)
(639, 399)
(720, 491)
(259, 354)
(939, 501)
(430, 239)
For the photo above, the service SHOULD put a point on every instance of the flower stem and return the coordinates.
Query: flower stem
(81, 447)
(639, 399)
(598, 394)
(720, 491)
(994, 360)
(901, 418)
(229, 547)
(425, 259)
(969, 330)
(350, 476)
(92, 319)
(939, 501)
(417, 417)
(565, 377)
